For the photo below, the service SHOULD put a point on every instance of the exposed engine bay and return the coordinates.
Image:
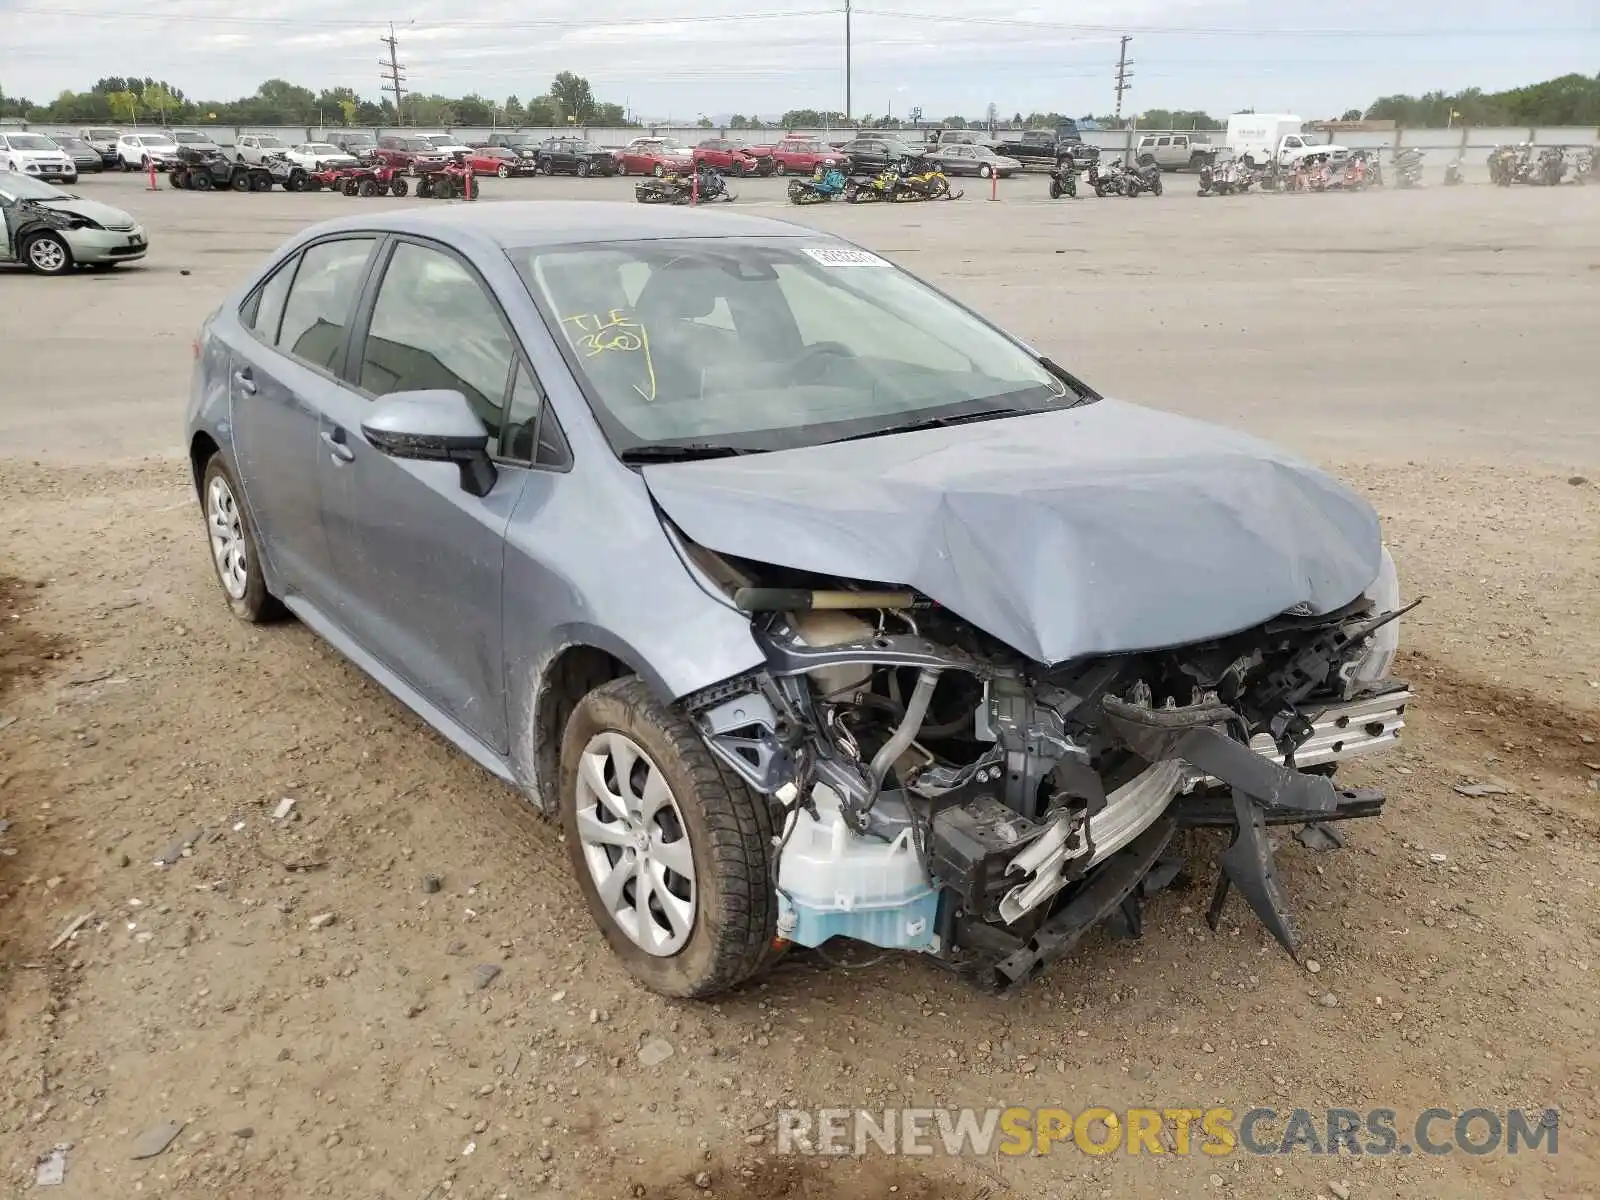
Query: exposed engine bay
(934, 790)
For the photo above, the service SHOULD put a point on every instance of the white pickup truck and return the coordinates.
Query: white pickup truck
(1265, 139)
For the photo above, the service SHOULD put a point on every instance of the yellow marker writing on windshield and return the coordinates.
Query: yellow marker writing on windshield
(616, 332)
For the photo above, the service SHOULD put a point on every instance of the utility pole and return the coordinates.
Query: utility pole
(847, 60)
(1123, 74)
(393, 73)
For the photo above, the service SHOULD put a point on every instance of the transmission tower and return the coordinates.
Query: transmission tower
(1123, 74)
(393, 73)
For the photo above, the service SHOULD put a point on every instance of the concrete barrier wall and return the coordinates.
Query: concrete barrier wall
(1468, 139)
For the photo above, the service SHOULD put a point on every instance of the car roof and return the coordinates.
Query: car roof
(517, 223)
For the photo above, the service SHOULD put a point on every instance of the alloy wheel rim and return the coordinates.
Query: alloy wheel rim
(228, 546)
(635, 844)
(47, 255)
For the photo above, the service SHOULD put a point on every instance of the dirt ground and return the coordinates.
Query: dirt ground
(322, 1024)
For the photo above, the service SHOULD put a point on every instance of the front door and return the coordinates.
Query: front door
(287, 351)
(420, 560)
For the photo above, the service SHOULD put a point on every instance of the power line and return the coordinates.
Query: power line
(393, 73)
(346, 23)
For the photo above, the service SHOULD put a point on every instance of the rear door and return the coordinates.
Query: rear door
(286, 349)
(420, 561)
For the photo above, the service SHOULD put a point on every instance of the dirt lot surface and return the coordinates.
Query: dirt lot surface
(323, 1024)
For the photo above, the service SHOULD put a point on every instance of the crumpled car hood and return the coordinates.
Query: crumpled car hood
(1092, 530)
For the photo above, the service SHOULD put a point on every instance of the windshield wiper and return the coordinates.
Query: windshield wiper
(684, 451)
(988, 414)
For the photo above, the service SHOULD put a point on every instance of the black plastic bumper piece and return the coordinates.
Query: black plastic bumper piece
(1101, 895)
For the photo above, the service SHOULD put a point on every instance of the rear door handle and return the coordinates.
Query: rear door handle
(245, 380)
(336, 444)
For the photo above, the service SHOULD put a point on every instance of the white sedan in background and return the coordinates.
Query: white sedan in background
(319, 156)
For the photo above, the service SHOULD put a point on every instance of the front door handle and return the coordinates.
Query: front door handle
(245, 380)
(336, 444)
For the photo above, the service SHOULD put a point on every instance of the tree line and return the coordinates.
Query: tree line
(1568, 100)
(130, 98)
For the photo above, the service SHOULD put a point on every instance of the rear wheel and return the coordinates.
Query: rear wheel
(177, 178)
(349, 187)
(583, 170)
(367, 187)
(202, 182)
(669, 847)
(239, 181)
(398, 187)
(261, 183)
(779, 169)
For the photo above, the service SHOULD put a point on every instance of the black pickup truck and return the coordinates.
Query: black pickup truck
(1042, 147)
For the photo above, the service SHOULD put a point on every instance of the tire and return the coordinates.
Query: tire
(239, 181)
(367, 188)
(176, 179)
(293, 184)
(424, 188)
(984, 171)
(778, 168)
(47, 254)
(709, 823)
(202, 182)
(659, 171)
(1146, 159)
(261, 183)
(235, 549)
(622, 167)
(504, 172)
(397, 187)
(349, 187)
(1055, 190)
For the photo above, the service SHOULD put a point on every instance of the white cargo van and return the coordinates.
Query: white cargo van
(1261, 139)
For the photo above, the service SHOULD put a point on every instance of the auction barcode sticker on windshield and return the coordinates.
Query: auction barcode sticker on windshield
(844, 256)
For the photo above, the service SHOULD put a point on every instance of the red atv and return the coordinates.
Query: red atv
(455, 180)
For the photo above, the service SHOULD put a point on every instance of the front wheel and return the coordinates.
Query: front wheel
(1055, 190)
(659, 171)
(583, 170)
(398, 187)
(779, 169)
(985, 171)
(503, 171)
(622, 168)
(235, 552)
(669, 847)
(47, 254)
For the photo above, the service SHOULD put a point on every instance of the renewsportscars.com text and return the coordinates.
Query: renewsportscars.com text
(1181, 1131)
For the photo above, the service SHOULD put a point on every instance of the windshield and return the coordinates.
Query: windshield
(19, 187)
(157, 140)
(31, 141)
(191, 139)
(321, 148)
(268, 143)
(766, 344)
(439, 139)
(102, 135)
(358, 139)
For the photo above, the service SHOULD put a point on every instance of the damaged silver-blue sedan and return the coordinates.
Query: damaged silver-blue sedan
(810, 602)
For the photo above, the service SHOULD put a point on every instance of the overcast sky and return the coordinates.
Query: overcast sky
(671, 58)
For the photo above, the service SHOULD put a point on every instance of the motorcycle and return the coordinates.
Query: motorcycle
(1064, 181)
(822, 186)
(1371, 167)
(1583, 165)
(1143, 179)
(1111, 180)
(1551, 167)
(704, 185)
(1452, 172)
(1407, 167)
(1226, 177)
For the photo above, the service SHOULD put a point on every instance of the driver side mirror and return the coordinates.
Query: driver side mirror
(433, 426)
